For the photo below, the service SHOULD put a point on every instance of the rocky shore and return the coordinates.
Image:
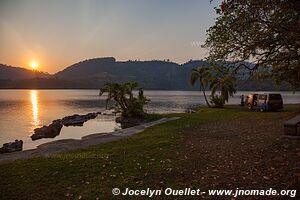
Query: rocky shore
(53, 129)
(17, 145)
(72, 144)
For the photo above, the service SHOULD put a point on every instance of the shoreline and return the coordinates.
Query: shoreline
(66, 145)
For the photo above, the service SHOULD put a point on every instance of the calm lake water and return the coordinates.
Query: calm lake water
(21, 111)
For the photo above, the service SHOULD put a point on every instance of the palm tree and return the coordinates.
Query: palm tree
(113, 93)
(222, 81)
(202, 74)
(122, 94)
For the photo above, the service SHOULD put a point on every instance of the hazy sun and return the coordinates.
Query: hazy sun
(34, 65)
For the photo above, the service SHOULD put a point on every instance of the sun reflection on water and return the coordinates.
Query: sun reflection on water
(35, 107)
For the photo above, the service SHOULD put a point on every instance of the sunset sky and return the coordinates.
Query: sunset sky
(58, 33)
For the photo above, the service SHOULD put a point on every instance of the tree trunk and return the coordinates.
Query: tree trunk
(203, 90)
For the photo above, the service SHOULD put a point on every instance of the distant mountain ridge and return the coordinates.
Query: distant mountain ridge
(149, 74)
(17, 73)
(94, 73)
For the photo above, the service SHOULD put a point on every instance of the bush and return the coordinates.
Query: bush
(135, 108)
(217, 101)
(131, 107)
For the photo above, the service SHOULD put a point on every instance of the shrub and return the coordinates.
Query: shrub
(217, 101)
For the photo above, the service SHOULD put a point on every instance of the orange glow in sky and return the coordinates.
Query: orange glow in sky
(34, 65)
(80, 30)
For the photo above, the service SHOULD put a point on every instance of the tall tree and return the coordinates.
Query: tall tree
(202, 74)
(265, 32)
(223, 82)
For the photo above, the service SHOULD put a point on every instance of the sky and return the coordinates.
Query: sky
(58, 33)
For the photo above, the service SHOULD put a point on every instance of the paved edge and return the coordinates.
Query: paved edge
(66, 145)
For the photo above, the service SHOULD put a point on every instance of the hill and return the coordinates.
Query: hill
(149, 74)
(17, 73)
(94, 73)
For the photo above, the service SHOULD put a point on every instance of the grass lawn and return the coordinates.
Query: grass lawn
(211, 149)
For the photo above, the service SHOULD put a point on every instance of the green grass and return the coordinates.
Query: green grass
(143, 160)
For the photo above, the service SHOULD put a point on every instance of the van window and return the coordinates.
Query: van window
(275, 96)
(262, 97)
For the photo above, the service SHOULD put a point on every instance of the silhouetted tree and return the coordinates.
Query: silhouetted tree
(223, 82)
(202, 74)
(263, 31)
(129, 105)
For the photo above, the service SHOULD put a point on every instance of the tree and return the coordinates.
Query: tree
(222, 81)
(265, 32)
(129, 105)
(202, 74)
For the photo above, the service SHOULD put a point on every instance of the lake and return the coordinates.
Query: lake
(21, 111)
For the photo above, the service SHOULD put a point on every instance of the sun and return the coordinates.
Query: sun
(34, 65)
